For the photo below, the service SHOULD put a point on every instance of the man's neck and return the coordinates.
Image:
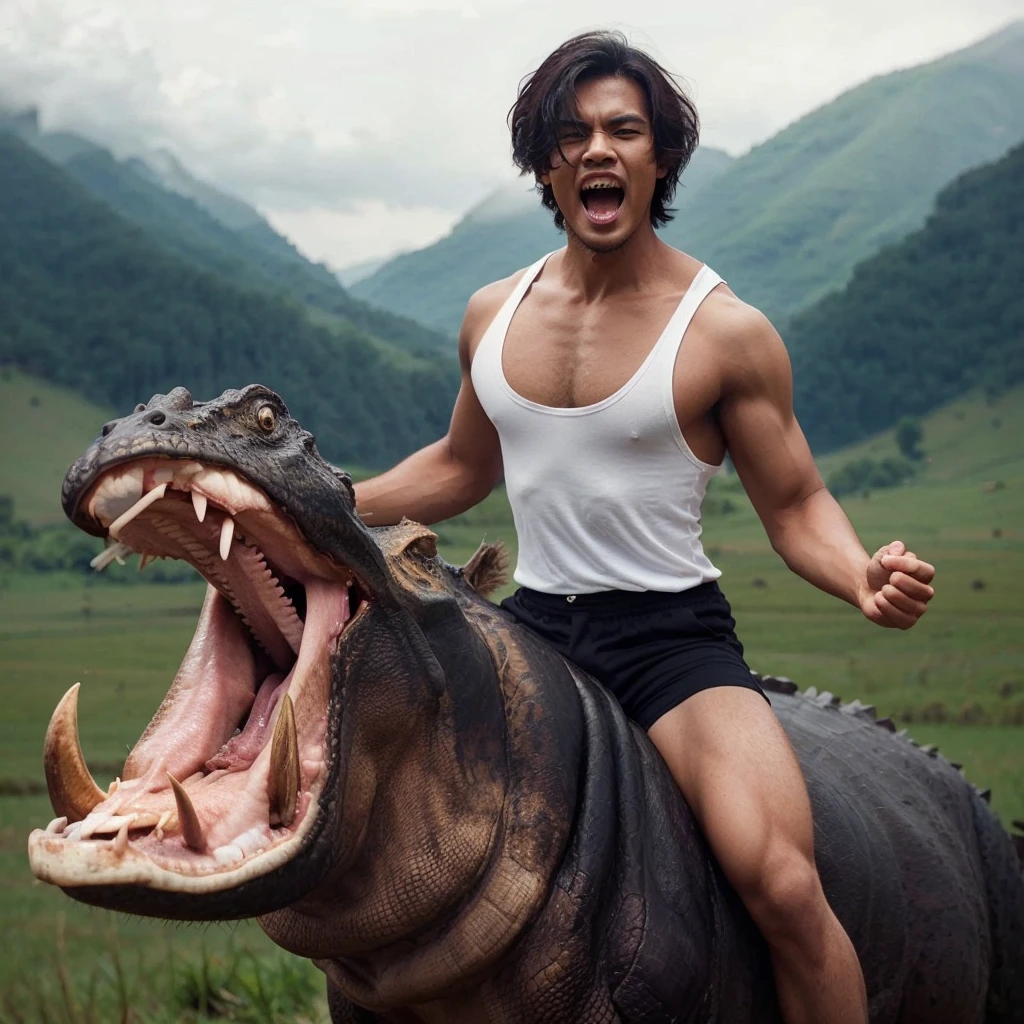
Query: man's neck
(595, 275)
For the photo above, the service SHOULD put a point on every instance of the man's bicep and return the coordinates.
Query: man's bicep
(765, 441)
(472, 439)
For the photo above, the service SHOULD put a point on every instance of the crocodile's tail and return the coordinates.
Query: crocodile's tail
(1004, 889)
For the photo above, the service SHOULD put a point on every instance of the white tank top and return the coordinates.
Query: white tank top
(606, 496)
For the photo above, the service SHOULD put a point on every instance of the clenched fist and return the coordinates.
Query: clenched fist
(898, 587)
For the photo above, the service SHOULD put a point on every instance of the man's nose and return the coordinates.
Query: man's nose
(599, 149)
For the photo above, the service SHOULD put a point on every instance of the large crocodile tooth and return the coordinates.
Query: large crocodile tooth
(284, 779)
(140, 506)
(73, 791)
(188, 820)
(227, 532)
(199, 504)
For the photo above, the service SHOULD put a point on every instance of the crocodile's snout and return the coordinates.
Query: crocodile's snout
(224, 786)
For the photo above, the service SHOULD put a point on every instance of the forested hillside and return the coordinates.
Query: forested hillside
(506, 232)
(88, 301)
(788, 221)
(924, 320)
(214, 231)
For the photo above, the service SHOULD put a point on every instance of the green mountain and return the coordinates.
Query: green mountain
(923, 321)
(90, 302)
(787, 222)
(214, 231)
(505, 232)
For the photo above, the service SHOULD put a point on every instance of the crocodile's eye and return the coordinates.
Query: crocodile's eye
(266, 418)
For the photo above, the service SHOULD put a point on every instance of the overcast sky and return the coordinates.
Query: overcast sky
(363, 127)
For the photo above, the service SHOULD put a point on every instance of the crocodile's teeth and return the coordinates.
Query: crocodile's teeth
(188, 820)
(73, 791)
(227, 532)
(285, 777)
(114, 553)
(140, 506)
(199, 504)
(121, 841)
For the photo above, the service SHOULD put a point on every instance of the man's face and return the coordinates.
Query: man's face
(605, 182)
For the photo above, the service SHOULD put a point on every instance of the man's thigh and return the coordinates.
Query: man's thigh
(735, 765)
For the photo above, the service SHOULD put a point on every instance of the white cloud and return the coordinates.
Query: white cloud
(370, 230)
(386, 118)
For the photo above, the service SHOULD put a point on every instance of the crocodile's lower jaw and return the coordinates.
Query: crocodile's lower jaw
(224, 787)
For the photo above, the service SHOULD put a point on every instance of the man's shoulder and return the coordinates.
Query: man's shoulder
(491, 297)
(747, 348)
(484, 305)
(736, 326)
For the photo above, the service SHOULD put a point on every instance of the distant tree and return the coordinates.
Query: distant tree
(867, 474)
(909, 434)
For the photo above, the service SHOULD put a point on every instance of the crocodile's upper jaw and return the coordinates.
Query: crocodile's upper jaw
(224, 785)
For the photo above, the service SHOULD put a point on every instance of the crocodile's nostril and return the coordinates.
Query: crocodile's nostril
(108, 427)
(157, 418)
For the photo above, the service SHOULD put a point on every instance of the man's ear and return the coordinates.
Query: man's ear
(544, 179)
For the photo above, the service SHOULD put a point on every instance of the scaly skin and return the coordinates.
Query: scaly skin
(497, 843)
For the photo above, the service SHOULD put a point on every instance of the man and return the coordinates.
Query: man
(606, 384)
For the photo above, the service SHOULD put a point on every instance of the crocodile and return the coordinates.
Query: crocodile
(453, 822)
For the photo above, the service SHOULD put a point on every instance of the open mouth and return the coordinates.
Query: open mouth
(225, 781)
(602, 200)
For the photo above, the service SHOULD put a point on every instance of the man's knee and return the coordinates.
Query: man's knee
(784, 897)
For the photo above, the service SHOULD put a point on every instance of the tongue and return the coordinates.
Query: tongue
(603, 203)
(240, 751)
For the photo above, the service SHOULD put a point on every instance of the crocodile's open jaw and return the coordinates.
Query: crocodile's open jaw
(225, 782)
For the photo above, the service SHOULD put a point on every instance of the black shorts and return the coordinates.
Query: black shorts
(652, 650)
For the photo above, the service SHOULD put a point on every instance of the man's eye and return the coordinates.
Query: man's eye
(623, 133)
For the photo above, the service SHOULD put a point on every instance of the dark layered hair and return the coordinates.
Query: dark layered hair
(547, 100)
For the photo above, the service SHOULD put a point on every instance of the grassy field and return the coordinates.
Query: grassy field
(45, 428)
(957, 680)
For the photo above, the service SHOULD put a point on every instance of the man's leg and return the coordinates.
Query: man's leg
(735, 766)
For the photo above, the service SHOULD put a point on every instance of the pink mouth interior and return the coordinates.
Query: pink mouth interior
(602, 204)
(267, 628)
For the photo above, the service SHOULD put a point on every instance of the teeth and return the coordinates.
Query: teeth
(73, 791)
(229, 854)
(114, 553)
(107, 824)
(161, 825)
(284, 779)
(145, 560)
(227, 531)
(57, 826)
(140, 506)
(121, 841)
(199, 504)
(188, 820)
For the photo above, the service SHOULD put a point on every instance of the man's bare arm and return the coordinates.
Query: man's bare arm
(456, 472)
(805, 524)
